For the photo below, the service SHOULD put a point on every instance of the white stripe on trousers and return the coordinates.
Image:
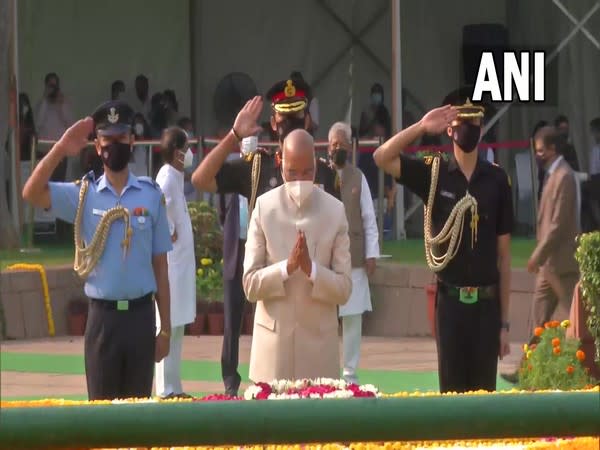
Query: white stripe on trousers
(168, 371)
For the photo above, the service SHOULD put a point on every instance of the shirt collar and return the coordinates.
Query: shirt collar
(554, 165)
(132, 181)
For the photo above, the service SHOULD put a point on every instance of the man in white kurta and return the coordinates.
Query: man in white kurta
(364, 243)
(182, 261)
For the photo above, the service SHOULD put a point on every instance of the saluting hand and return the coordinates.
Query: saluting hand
(246, 122)
(438, 119)
(76, 137)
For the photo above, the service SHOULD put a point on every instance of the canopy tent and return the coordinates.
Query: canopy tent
(341, 47)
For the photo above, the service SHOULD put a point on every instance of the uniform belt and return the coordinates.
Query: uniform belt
(123, 305)
(489, 292)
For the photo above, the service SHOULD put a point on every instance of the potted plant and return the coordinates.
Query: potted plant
(77, 311)
(588, 257)
(248, 320)
(555, 362)
(208, 246)
(209, 286)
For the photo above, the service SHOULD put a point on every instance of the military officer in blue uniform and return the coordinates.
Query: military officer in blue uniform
(121, 243)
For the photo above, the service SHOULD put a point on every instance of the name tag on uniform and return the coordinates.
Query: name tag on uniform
(98, 212)
(447, 194)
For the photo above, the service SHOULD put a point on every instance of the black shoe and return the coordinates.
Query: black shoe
(231, 393)
(512, 378)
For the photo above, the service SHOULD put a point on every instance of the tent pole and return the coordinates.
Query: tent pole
(399, 229)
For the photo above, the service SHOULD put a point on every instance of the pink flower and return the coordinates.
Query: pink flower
(218, 397)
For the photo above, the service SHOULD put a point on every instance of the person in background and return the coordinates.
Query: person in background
(376, 113)
(158, 122)
(53, 116)
(171, 107)
(297, 270)
(595, 151)
(561, 123)
(190, 191)
(117, 90)
(126, 273)
(141, 102)
(553, 259)
(26, 127)
(141, 153)
(364, 244)
(181, 260)
(313, 102)
(540, 170)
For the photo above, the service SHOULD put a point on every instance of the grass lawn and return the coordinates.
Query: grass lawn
(410, 251)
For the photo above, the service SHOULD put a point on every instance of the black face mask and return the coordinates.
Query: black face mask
(289, 124)
(53, 94)
(466, 135)
(116, 155)
(339, 157)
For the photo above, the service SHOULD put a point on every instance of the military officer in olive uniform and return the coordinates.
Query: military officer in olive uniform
(251, 176)
(468, 223)
(122, 239)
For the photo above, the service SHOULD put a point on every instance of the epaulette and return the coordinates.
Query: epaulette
(248, 157)
(90, 176)
(150, 181)
(325, 162)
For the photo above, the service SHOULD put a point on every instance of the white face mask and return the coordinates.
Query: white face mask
(188, 159)
(138, 129)
(299, 191)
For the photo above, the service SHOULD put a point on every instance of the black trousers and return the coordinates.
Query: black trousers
(119, 350)
(468, 342)
(233, 304)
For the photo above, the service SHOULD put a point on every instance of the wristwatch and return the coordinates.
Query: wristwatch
(505, 326)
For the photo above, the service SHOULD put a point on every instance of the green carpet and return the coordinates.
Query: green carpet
(409, 251)
(386, 380)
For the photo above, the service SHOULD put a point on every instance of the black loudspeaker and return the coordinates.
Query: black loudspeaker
(478, 38)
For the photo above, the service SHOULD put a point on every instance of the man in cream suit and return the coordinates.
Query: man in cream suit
(297, 269)
(554, 256)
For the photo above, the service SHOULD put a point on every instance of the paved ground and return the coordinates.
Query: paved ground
(390, 354)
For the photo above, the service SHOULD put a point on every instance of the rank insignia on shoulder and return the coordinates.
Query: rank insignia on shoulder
(149, 181)
(428, 160)
(248, 157)
(77, 182)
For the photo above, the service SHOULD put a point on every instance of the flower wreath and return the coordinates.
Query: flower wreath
(305, 388)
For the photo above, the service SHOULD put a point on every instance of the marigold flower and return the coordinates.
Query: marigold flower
(554, 324)
(533, 347)
(556, 342)
(538, 331)
(565, 323)
(529, 354)
(570, 369)
(547, 325)
(580, 355)
(200, 272)
(556, 350)
(525, 348)
(206, 261)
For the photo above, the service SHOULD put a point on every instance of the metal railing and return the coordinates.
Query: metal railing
(487, 416)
